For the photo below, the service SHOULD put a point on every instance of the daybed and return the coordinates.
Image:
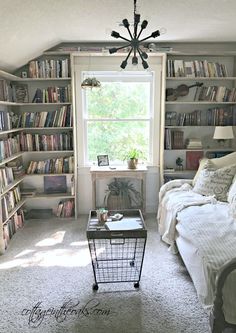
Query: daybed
(197, 218)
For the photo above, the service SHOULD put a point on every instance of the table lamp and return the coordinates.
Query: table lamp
(223, 133)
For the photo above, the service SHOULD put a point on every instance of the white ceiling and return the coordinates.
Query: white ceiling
(29, 27)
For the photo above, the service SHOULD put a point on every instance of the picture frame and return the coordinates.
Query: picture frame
(55, 184)
(193, 158)
(103, 160)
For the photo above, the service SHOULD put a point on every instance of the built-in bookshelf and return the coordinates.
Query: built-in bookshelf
(36, 139)
(48, 136)
(200, 94)
(11, 165)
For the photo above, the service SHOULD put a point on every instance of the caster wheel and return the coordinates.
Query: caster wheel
(131, 263)
(95, 286)
(136, 285)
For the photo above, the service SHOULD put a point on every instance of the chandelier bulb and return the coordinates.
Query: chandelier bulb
(113, 50)
(145, 64)
(136, 18)
(135, 60)
(115, 34)
(155, 34)
(125, 23)
(144, 55)
(123, 64)
(144, 24)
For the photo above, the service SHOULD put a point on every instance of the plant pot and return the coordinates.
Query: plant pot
(132, 163)
(117, 202)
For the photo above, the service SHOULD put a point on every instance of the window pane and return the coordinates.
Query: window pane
(119, 100)
(116, 137)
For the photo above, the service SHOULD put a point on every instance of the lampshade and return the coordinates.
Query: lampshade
(223, 133)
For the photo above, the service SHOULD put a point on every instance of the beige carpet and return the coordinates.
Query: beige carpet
(46, 286)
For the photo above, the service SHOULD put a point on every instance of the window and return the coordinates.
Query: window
(118, 117)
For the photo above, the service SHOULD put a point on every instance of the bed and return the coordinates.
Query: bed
(202, 229)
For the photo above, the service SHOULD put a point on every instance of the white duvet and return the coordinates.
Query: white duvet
(206, 224)
(172, 200)
(212, 231)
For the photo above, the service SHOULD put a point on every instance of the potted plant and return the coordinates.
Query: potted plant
(132, 158)
(120, 194)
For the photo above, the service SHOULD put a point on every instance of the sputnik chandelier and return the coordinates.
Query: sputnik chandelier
(134, 43)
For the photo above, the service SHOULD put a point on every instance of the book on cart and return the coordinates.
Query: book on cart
(125, 224)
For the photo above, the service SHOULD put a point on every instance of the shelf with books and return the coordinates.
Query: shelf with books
(39, 96)
(11, 158)
(199, 103)
(14, 183)
(52, 196)
(200, 94)
(185, 78)
(28, 79)
(14, 210)
(7, 231)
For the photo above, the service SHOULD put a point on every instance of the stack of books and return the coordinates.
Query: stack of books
(194, 144)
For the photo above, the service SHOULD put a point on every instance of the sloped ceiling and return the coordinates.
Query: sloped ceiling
(29, 27)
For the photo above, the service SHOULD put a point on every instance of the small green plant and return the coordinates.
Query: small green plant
(133, 154)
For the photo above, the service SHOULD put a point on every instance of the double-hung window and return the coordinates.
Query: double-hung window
(119, 116)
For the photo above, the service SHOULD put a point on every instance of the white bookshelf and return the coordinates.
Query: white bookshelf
(188, 104)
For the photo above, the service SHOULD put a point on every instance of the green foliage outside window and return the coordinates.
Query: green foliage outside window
(110, 128)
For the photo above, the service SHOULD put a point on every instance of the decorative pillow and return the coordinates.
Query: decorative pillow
(202, 165)
(215, 182)
(218, 163)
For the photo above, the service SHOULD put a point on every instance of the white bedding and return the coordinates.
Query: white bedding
(211, 233)
(209, 237)
(173, 200)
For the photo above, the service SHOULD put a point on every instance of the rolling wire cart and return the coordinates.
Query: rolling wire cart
(117, 256)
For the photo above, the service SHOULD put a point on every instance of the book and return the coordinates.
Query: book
(125, 224)
(192, 159)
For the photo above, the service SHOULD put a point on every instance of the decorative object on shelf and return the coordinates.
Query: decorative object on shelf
(20, 93)
(182, 90)
(90, 82)
(102, 214)
(132, 158)
(179, 163)
(24, 75)
(134, 43)
(223, 133)
(121, 194)
(194, 143)
(170, 118)
(55, 184)
(103, 160)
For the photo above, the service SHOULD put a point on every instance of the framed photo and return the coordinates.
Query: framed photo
(103, 160)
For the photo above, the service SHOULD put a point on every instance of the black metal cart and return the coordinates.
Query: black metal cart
(117, 256)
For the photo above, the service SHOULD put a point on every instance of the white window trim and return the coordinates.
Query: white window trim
(110, 63)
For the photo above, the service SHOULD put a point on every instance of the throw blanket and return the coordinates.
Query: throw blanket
(172, 200)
